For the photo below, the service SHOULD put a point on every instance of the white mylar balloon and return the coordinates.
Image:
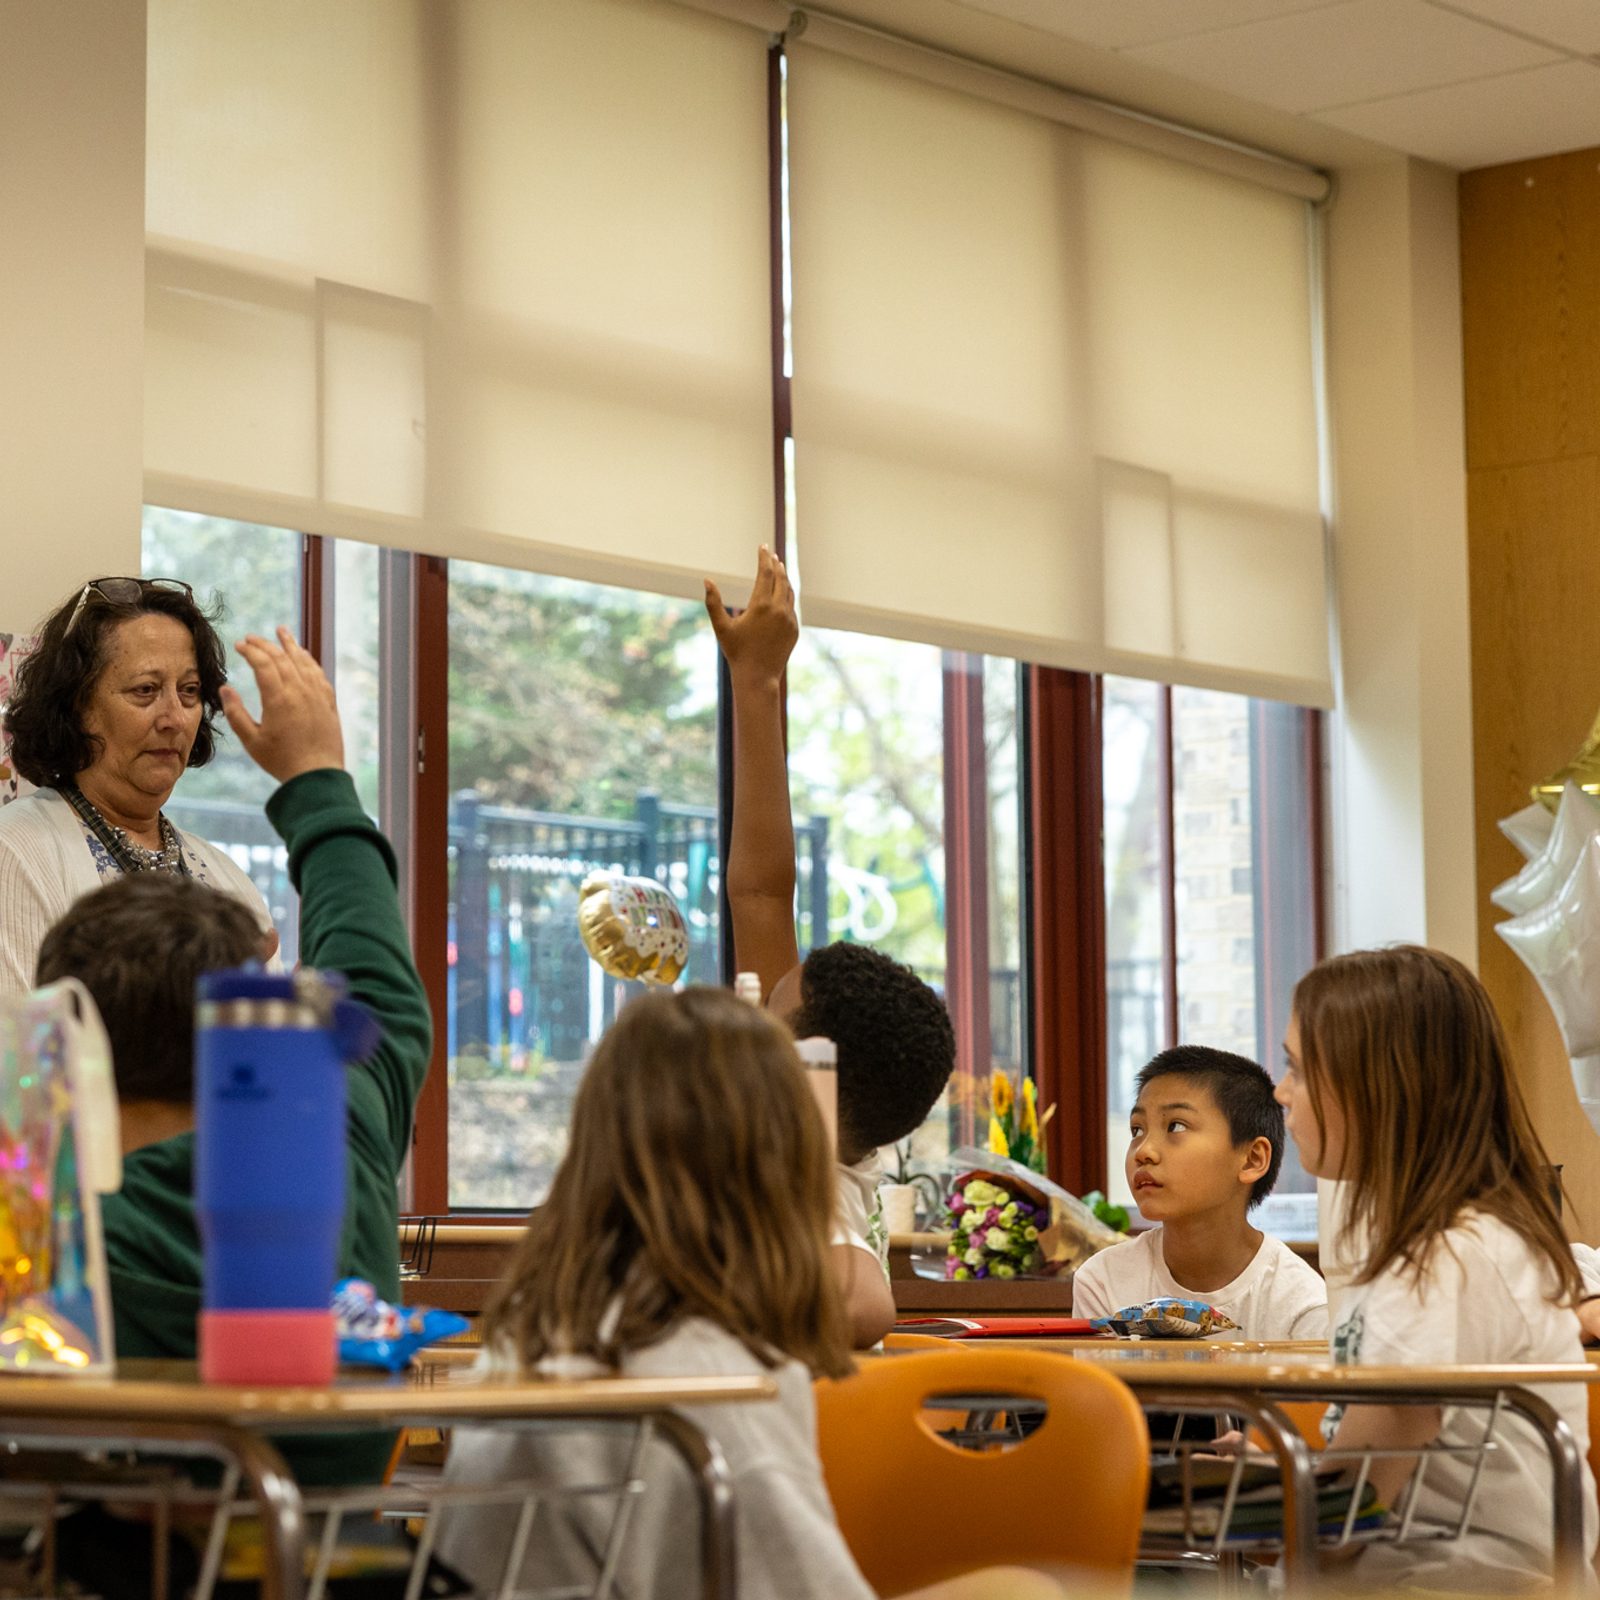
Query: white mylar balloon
(1586, 1074)
(1577, 822)
(1559, 943)
(1529, 829)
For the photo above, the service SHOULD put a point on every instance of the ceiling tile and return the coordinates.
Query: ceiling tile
(1513, 118)
(1340, 54)
(1570, 24)
(1115, 24)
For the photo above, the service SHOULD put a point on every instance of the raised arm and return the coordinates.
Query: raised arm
(760, 866)
(350, 919)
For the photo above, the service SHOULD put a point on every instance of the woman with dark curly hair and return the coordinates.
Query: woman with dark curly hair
(117, 700)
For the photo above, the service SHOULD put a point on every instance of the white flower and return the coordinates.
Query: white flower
(970, 1220)
(973, 1258)
(997, 1239)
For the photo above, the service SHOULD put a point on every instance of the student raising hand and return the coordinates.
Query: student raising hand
(758, 641)
(299, 730)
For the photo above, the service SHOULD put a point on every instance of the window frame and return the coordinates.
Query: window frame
(1060, 835)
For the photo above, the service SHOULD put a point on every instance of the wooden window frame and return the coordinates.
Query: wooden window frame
(1063, 955)
(1064, 875)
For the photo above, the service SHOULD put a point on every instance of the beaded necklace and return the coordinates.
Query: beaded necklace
(129, 854)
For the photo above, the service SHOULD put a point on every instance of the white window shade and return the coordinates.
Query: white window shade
(487, 280)
(1053, 396)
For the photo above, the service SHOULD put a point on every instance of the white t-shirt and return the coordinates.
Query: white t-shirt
(858, 1215)
(788, 1545)
(1481, 1299)
(1588, 1262)
(1278, 1296)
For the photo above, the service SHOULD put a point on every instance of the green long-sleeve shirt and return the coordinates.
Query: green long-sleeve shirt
(350, 923)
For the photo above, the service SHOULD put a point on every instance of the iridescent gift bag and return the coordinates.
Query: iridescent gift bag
(60, 1150)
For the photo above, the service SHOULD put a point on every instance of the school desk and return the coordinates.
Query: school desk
(163, 1408)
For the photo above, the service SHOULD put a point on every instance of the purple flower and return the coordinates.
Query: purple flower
(957, 1205)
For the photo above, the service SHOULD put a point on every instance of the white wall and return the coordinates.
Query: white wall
(1404, 862)
(1401, 747)
(72, 87)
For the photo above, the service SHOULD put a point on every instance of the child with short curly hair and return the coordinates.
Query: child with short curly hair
(892, 1032)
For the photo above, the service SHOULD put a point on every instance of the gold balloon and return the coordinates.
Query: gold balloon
(1583, 769)
(633, 927)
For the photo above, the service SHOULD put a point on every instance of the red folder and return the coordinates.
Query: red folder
(999, 1327)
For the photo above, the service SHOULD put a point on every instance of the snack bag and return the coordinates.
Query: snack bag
(633, 927)
(373, 1333)
(1069, 1232)
(1166, 1318)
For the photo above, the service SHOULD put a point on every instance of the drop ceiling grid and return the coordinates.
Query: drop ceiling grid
(1463, 82)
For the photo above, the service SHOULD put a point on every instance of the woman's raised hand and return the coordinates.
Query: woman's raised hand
(299, 729)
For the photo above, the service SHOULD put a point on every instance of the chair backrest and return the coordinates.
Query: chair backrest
(1594, 1430)
(916, 1510)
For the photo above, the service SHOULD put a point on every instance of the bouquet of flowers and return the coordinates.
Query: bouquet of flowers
(995, 1235)
(1009, 1222)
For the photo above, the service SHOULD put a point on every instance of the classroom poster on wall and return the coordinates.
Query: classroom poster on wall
(13, 648)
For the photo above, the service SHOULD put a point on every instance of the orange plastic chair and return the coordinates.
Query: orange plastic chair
(916, 1510)
(1594, 1430)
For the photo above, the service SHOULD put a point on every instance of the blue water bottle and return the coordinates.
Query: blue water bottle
(270, 1054)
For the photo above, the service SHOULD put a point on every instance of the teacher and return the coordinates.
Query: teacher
(116, 701)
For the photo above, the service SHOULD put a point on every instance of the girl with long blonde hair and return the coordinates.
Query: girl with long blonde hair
(1399, 1082)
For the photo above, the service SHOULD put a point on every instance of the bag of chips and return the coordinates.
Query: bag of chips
(1166, 1318)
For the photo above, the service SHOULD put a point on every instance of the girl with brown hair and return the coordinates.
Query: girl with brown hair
(686, 1233)
(1399, 1082)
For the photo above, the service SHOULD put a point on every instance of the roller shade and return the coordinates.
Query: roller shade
(480, 278)
(1053, 396)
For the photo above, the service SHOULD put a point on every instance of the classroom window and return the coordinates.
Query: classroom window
(1211, 902)
(353, 660)
(582, 736)
(1135, 904)
(903, 780)
(252, 576)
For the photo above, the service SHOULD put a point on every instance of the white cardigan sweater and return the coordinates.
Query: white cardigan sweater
(46, 864)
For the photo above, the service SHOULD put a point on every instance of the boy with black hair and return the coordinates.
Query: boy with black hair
(139, 943)
(893, 1035)
(1205, 1146)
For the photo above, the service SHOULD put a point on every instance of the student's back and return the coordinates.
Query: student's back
(789, 1546)
(685, 1234)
